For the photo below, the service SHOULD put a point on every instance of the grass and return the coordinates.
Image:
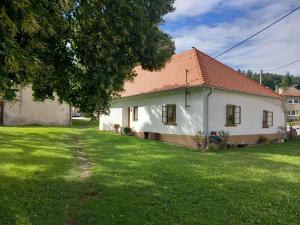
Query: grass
(137, 181)
(294, 123)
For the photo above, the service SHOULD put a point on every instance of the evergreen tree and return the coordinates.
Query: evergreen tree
(286, 81)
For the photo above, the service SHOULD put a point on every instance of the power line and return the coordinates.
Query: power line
(280, 67)
(247, 39)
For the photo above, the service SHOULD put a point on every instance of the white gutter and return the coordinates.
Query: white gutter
(206, 116)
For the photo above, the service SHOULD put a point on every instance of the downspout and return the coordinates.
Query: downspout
(206, 128)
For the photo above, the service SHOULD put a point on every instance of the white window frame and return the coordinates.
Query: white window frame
(292, 101)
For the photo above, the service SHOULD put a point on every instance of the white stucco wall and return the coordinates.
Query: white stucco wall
(26, 111)
(107, 122)
(189, 121)
(252, 108)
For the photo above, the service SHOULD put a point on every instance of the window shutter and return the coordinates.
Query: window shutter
(164, 114)
(228, 108)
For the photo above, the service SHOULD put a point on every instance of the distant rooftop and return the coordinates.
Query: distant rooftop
(290, 92)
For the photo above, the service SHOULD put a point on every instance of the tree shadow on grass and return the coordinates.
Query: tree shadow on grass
(36, 177)
(139, 181)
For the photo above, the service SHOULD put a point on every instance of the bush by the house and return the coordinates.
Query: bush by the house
(213, 148)
(198, 139)
(224, 137)
(127, 130)
(262, 140)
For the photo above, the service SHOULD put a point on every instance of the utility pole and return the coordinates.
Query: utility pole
(260, 76)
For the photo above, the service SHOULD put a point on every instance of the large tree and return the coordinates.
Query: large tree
(286, 81)
(83, 51)
(34, 37)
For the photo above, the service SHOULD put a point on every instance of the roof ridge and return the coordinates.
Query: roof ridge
(205, 71)
(244, 77)
(199, 66)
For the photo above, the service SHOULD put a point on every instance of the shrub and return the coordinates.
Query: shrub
(198, 139)
(127, 130)
(224, 136)
(213, 148)
(262, 139)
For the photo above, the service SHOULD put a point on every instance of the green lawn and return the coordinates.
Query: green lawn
(135, 181)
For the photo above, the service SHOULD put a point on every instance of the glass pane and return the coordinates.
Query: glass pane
(237, 115)
(230, 115)
(170, 114)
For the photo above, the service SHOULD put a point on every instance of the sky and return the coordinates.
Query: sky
(213, 26)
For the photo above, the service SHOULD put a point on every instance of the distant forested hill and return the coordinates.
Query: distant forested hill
(272, 80)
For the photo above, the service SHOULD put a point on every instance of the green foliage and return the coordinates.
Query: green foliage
(224, 136)
(127, 130)
(273, 80)
(213, 148)
(286, 81)
(33, 39)
(134, 180)
(198, 139)
(82, 51)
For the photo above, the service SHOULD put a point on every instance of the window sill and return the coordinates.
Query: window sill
(230, 125)
(171, 124)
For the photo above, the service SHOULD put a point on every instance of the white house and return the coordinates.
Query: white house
(292, 99)
(193, 93)
(24, 110)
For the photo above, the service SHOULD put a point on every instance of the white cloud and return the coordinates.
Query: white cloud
(191, 8)
(277, 46)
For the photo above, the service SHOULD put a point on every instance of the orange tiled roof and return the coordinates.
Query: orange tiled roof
(291, 91)
(202, 71)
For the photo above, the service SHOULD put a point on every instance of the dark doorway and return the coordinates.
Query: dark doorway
(129, 117)
(1, 113)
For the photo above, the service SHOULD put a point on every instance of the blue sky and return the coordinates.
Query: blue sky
(215, 25)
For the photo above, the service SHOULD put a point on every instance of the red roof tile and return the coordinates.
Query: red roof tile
(202, 71)
(291, 91)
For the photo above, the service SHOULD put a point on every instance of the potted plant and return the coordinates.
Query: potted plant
(117, 127)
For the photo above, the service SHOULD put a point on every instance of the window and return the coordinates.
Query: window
(233, 115)
(267, 119)
(294, 113)
(293, 101)
(135, 113)
(169, 114)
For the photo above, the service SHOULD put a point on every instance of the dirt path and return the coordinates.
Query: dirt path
(84, 162)
(84, 166)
